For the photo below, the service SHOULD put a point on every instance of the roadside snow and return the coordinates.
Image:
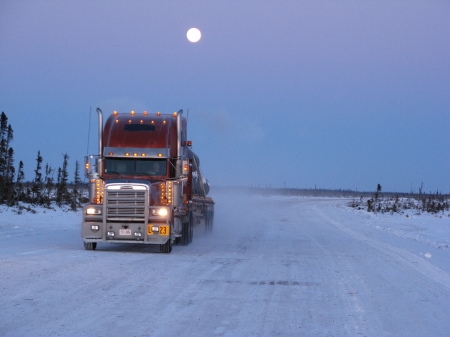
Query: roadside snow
(430, 229)
(13, 224)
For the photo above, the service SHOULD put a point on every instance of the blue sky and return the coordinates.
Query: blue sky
(332, 94)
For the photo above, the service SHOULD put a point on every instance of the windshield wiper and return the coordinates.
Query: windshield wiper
(114, 172)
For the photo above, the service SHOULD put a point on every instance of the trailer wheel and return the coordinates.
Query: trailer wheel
(90, 245)
(187, 231)
(184, 240)
(209, 220)
(166, 248)
(206, 218)
(191, 228)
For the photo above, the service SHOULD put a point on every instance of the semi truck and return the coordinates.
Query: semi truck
(145, 183)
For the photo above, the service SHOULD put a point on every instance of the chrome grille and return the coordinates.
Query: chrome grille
(126, 205)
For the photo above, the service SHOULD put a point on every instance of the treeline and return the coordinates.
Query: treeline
(44, 189)
(391, 203)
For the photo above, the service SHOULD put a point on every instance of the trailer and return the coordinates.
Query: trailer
(145, 184)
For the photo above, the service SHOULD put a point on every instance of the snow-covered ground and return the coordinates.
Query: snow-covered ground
(274, 266)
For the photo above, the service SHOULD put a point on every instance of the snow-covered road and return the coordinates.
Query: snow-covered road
(274, 266)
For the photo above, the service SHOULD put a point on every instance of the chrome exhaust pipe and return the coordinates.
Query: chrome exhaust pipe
(100, 132)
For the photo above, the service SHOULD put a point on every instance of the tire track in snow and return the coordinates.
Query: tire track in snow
(420, 265)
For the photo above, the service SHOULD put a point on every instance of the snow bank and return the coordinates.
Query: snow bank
(428, 228)
(14, 224)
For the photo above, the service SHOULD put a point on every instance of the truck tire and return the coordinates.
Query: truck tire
(166, 248)
(184, 240)
(90, 245)
(191, 228)
(209, 221)
(187, 231)
(206, 219)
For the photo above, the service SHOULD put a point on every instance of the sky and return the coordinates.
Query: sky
(303, 94)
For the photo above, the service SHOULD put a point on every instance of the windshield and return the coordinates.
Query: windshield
(135, 167)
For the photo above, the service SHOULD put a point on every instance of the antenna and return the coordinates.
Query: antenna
(89, 130)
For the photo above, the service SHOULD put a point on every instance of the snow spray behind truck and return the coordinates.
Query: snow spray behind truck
(145, 185)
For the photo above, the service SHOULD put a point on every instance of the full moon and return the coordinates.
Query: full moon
(194, 35)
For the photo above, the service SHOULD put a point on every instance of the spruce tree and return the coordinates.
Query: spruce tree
(61, 187)
(48, 185)
(9, 190)
(37, 186)
(76, 188)
(6, 160)
(20, 195)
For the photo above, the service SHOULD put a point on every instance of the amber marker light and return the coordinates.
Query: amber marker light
(129, 121)
(127, 154)
(158, 113)
(117, 121)
(115, 113)
(135, 154)
(160, 155)
(132, 113)
(145, 113)
(143, 155)
(141, 121)
(174, 114)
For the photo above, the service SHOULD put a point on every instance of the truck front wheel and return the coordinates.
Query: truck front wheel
(166, 247)
(90, 245)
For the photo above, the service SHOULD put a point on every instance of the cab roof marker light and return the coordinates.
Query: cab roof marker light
(158, 113)
(115, 113)
(145, 113)
(174, 114)
(132, 113)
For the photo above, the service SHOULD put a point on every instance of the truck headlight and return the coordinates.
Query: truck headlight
(160, 211)
(93, 211)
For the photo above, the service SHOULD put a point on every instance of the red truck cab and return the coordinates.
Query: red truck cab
(145, 183)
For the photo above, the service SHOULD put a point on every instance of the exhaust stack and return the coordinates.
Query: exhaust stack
(180, 112)
(100, 132)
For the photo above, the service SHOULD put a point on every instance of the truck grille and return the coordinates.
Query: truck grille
(126, 205)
